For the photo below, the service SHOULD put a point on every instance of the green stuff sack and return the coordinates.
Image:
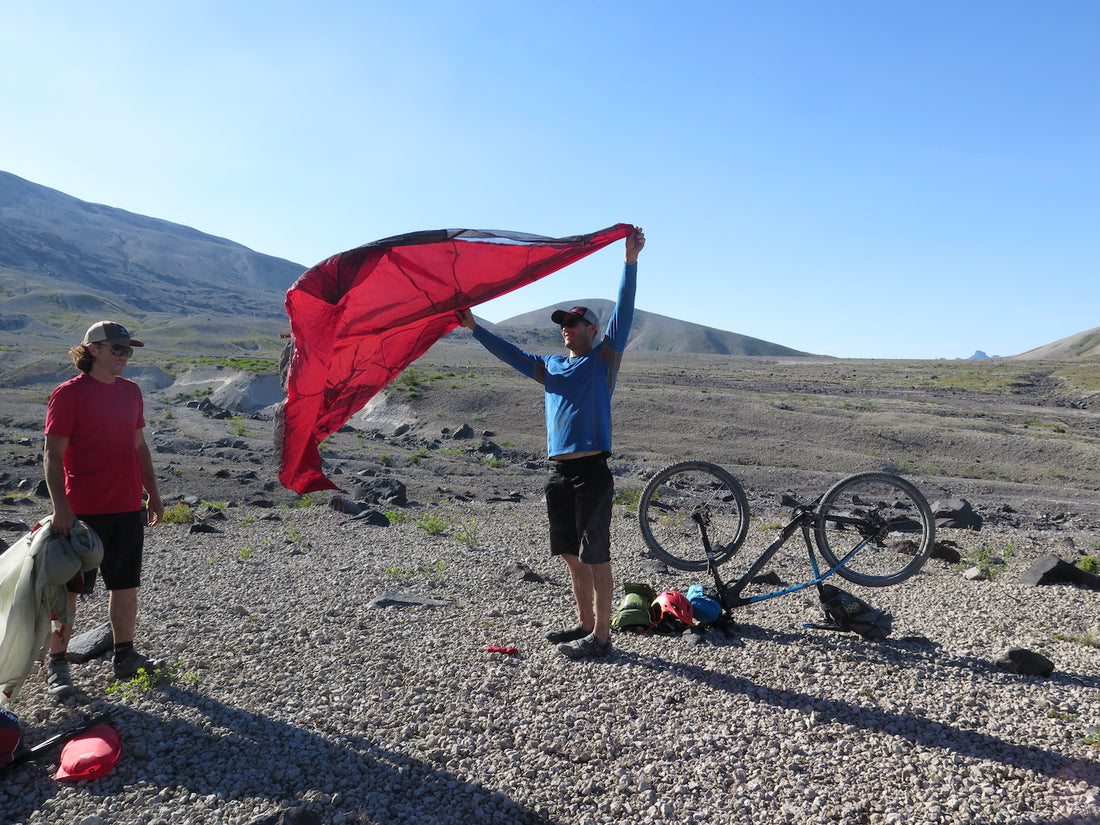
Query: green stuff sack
(634, 608)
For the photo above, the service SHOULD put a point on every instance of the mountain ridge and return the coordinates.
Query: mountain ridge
(64, 261)
(649, 331)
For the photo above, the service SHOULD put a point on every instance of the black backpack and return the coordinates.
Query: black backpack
(845, 612)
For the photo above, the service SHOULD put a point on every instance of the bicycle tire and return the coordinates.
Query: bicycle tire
(899, 528)
(667, 504)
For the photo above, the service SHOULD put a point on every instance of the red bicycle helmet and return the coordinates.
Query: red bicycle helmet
(673, 604)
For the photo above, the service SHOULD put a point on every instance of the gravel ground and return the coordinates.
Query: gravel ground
(293, 691)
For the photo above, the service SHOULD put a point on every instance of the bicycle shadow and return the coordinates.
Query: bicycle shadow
(917, 729)
(904, 650)
(299, 768)
(910, 651)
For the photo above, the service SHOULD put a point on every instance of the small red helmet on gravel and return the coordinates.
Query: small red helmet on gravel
(674, 605)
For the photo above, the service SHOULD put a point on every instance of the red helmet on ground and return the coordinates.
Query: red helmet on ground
(674, 605)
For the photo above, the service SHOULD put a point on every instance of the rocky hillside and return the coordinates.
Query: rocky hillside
(1083, 346)
(63, 261)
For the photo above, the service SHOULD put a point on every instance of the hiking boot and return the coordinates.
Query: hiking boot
(556, 637)
(588, 647)
(58, 681)
(128, 666)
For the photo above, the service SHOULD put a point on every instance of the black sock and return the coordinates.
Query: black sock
(122, 648)
(57, 658)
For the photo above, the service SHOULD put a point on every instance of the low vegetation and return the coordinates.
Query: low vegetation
(989, 562)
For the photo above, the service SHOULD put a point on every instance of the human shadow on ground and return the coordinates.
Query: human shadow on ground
(300, 767)
(917, 729)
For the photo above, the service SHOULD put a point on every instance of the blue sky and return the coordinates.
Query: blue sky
(858, 178)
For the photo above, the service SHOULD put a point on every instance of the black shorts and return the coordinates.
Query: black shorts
(579, 495)
(123, 537)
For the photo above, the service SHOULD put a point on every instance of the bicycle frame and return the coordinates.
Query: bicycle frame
(730, 594)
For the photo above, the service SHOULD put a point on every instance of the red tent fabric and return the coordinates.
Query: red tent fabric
(360, 317)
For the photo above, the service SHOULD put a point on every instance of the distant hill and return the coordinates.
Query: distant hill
(63, 261)
(1083, 346)
(649, 331)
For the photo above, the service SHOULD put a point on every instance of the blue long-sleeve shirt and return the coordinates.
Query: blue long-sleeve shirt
(577, 390)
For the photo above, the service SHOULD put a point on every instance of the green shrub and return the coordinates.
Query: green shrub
(178, 514)
(1090, 564)
(433, 524)
(628, 498)
(468, 533)
(990, 564)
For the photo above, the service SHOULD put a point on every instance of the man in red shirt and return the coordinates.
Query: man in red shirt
(97, 466)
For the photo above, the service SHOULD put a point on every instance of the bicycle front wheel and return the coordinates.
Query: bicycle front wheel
(882, 515)
(684, 499)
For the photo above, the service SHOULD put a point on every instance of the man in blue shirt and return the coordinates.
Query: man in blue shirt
(580, 490)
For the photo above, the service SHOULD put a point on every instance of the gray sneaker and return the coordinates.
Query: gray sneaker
(557, 637)
(587, 648)
(58, 681)
(128, 666)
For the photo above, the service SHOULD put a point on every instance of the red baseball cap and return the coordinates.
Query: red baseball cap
(89, 755)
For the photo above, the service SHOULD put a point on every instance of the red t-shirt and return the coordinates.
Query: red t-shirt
(102, 471)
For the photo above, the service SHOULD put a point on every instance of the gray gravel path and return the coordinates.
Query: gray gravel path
(293, 692)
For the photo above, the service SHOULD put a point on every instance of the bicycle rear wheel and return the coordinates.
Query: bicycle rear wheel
(681, 497)
(885, 514)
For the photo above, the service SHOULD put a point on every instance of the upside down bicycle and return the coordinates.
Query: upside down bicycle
(873, 529)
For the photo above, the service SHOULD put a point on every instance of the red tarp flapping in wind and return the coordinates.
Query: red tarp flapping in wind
(360, 317)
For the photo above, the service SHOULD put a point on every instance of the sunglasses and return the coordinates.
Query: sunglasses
(572, 322)
(121, 350)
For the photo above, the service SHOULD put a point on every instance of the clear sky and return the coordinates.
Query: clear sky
(859, 178)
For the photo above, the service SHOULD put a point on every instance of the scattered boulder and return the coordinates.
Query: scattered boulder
(210, 410)
(517, 571)
(373, 518)
(359, 511)
(956, 513)
(384, 491)
(946, 551)
(91, 644)
(202, 527)
(1052, 570)
(346, 506)
(465, 431)
(490, 447)
(1025, 662)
